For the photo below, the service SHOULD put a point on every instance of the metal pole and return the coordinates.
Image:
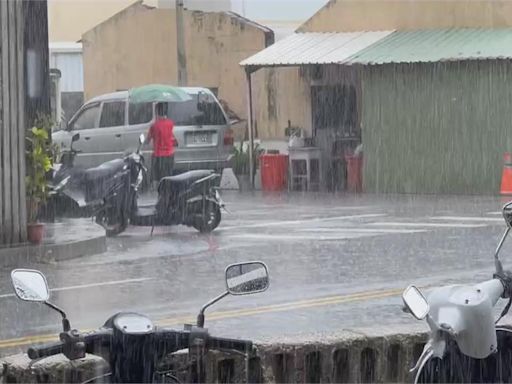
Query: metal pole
(249, 124)
(180, 44)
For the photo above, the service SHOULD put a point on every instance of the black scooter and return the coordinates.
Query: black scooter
(132, 345)
(191, 198)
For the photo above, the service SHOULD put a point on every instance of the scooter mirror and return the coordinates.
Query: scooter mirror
(75, 137)
(142, 139)
(507, 213)
(30, 285)
(415, 302)
(247, 278)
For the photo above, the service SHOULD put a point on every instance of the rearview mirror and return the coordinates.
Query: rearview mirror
(75, 137)
(63, 125)
(30, 285)
(247, 278)
(415, 302)
(142, 139)
(507, 213)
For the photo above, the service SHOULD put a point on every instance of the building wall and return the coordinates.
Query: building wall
(350, 15)
(279, 95)
(138, 46)
(199, 5)
(436, 128)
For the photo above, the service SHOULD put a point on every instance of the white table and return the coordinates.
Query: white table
(308, 177)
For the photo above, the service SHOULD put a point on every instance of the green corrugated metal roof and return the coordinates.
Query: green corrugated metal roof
(437, 45)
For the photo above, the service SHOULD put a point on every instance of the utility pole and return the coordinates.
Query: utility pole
(180, 44)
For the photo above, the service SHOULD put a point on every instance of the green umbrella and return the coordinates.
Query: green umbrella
(157, 93)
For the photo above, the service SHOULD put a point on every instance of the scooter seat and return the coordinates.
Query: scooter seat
(104, 171)
(189, 176)
(183, 180)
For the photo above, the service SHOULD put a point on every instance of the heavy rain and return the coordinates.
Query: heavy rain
(255, 191)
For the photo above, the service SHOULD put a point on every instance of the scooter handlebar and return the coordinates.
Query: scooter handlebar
(175, 339)
(45, 350)
(94, 338)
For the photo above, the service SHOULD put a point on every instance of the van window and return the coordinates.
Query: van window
(140, 113)
(188, 113)
(86, 119)
(112, 114)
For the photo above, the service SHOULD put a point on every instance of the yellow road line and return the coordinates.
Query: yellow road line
(332, 300)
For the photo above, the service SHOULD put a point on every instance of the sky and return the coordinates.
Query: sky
(277, 9)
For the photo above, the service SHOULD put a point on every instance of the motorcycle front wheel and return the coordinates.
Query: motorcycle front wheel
(455, 367)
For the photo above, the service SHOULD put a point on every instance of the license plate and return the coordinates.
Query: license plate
(199, 138)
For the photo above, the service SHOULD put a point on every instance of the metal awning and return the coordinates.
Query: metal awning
(299, 49)
(314, 48)
(438, 45)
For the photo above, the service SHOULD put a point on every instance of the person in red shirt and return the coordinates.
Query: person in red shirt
(161, 133)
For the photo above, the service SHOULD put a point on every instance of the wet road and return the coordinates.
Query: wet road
(335, 263)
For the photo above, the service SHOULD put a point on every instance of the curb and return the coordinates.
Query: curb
(52, 252)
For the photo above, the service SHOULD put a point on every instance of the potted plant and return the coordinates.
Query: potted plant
(39, 162)
(241, 165)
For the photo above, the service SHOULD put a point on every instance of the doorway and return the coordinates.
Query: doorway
(335, 128)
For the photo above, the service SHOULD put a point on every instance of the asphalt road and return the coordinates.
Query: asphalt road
(335, 263)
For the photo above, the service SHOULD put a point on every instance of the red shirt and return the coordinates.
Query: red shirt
(161, 132)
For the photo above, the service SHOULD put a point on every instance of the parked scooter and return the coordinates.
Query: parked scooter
(465, 345)
(190, 198)
(110, 193)
(132, 345)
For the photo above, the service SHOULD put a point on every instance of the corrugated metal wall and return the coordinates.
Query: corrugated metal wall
(12, 123)
(436, 128)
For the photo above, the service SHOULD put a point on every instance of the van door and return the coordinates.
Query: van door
(140, 118)
(102, 142)
(84, 122)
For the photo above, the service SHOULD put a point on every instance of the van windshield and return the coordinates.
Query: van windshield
(181, 113)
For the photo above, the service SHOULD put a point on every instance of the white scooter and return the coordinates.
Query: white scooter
(465, 345)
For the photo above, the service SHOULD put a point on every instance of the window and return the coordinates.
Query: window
(140, 113)
(112, 114)
(188, 113)
(86, 119)
(343, 116)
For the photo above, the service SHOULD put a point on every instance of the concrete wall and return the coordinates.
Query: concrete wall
(436, 128)
(199, 5)
(377, 356)
(279, 95)
(138, 46)
(350, 15)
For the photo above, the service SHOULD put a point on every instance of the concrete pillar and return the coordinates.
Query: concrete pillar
(24, 92)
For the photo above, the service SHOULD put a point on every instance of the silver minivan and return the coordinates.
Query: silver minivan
(110, 127)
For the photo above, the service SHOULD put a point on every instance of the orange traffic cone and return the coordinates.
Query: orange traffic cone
(506, 176)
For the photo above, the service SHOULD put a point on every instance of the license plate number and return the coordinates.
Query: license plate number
(200, 138)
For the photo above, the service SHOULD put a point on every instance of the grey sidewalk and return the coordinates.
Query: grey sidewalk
(66, 239)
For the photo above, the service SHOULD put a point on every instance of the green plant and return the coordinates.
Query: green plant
(241, 159)
(39, 162)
